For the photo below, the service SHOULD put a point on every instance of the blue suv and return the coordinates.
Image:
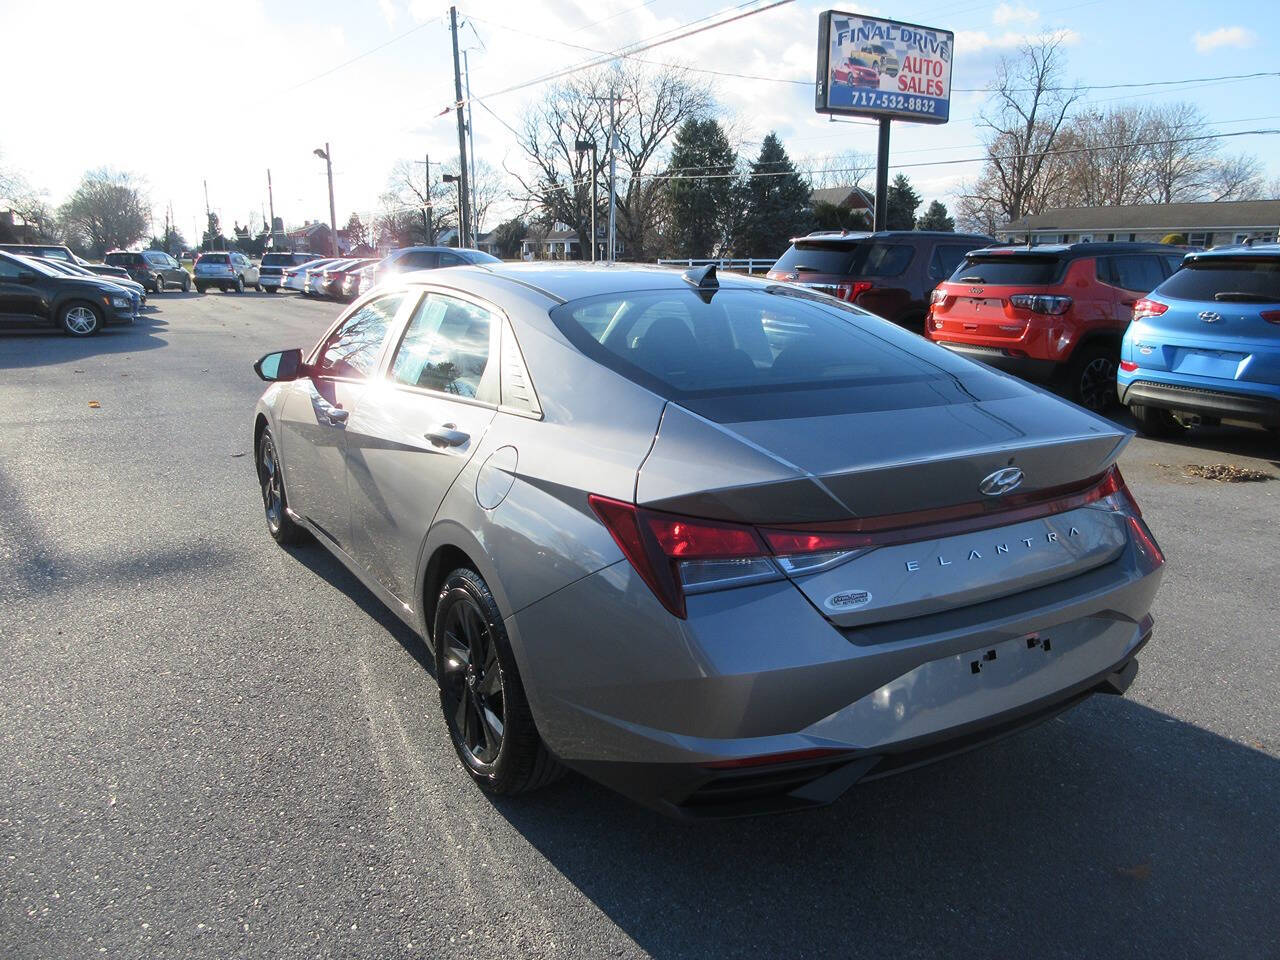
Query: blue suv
(1206, 343)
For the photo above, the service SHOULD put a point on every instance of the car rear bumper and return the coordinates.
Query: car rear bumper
(679, 714)
(1032, 368)
(1204, 401)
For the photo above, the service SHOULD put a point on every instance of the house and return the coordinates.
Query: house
(14, 229)
(848, 198)
(312, 237)
(1202, 224)
(561, 242)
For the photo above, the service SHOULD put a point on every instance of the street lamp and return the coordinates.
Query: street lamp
(450, 178)
(333, 216)
(583, 146)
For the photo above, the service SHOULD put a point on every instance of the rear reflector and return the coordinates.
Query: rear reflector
(1271, 316)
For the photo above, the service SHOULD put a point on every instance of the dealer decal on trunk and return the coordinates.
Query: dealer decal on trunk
(848, 600)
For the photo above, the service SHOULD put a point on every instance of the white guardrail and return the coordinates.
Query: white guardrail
(748, 266)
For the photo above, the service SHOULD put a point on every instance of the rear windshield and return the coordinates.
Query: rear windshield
(122, 259)
(277, 259)
(816, 258)
(752, 354)
(1019, 269)
(215, 258)
(1217, 278)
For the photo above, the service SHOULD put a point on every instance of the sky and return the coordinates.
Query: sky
(181, 92)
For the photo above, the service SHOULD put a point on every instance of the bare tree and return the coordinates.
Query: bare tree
(1029, 105)
(106, 210)
(1109, 163)
(406, 200)
(1237, 177)
(849, 168)
(653, 103)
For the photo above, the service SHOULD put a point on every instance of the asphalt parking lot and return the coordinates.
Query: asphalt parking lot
(214, 747)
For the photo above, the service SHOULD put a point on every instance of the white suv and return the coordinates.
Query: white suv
(229, 270)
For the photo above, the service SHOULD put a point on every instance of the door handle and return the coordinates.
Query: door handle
(447, 435)
(337, 416)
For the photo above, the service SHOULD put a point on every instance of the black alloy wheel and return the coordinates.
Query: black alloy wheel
(270, 477)
(481, 694)
(1092, 378)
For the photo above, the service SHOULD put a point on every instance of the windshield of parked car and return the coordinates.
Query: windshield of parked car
(762, 354)
(479, 256)
(1008, 269)
(1244, 280)
(34, 263)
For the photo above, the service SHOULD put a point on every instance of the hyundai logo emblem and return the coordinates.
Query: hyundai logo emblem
(1210, 317)
(1001, 482)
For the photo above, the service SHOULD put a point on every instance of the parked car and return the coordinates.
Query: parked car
(31, 291)
(295, 278)
(891, 273)
(882, 59)
(856, 71)
(428, 258)
(273, 266)
(136, 290)
(312, 272)
(726, 545)
(57, 251)
(227, 271)
(1205, 344)
(154, 269)
(358, 282)
(334, 276)
(1054, 312)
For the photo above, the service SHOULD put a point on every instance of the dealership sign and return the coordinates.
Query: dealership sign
(882, 68)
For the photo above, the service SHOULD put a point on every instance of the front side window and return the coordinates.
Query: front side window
(450, 260)
(351, 350)
(9, 269)
(445, 348)
(418, 260)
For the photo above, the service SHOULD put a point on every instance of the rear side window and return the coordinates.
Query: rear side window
(1219, 278)
(752, 354)
(881, 259)
(445, 348)
(1009, 269)
(816, 258)
(946, 257)
(418, 260)
(1139, 272)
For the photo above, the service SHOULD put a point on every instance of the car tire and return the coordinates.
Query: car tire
(485, 708)
(200, 288)
(239, 287)
(186, 284)
(1157, 422)
(80, 318)
(275, 502)
(1091, 376)
(257, 287)
(159, 283)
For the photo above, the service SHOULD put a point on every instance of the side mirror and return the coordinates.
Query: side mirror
(282, 365)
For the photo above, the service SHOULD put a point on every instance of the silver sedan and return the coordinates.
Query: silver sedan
(724, 545)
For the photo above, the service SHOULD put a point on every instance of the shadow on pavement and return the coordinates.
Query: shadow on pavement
(1113, 830)
(43, 346)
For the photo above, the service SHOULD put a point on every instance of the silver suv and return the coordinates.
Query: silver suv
(228, 270)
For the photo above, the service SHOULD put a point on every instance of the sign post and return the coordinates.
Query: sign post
(869, 67)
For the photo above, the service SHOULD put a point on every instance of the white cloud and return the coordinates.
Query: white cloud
(971, 41)
(388, 10)
(1224, 37)
(1006, 14)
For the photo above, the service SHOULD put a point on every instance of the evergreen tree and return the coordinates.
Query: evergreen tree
(903, 200)
(774, 208)
(935, 217)
(701, 197)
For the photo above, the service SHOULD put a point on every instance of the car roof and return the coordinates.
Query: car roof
(854, 236)
(1087, 249)
(561, 283)
(1257, 249)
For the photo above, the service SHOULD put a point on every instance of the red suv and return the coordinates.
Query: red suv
(1050, 312)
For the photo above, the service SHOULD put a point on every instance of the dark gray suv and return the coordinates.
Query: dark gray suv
(154, 269)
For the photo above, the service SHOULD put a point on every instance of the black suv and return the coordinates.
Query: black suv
(154, 269)
(31, 292)
(891, 273)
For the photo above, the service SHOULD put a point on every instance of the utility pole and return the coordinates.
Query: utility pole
(464, 212)
(881, 212)
(427, 211)
(471, 142)
(271, 202)
(333, 216)
(208, 217)
(583, 146)
(614, 100)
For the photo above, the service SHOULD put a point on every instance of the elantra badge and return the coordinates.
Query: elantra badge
(847, 600)
(1001, 482)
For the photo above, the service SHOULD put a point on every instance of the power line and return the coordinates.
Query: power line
(612, 16)
(361, 56)
(631, 49)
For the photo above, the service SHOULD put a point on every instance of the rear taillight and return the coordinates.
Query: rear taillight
(1271, 316)
(1128, 366)
(1040, 303)
(677, 556)
(852, 291)
(938, 297)
(1148, 308)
